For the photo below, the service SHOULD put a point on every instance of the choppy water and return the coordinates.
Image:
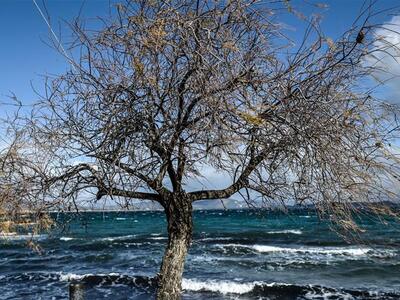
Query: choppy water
(235, 255)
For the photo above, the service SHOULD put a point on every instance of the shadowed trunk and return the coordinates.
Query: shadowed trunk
(180, 227)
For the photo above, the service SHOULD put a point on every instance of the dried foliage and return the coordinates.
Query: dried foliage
(20, 210)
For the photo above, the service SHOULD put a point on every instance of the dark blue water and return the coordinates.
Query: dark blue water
(234, 255)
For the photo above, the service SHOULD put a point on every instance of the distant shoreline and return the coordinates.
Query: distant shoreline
(276, 208)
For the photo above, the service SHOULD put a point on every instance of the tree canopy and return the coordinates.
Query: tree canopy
(163, 89)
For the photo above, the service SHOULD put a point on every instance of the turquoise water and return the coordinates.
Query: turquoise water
(234, 255)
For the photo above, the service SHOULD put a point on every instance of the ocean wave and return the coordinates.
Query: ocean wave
(289, 231)
(277, 290)
(117, 238)
(88, 279)
(67, 238)
(110, 279)
(77, 277)
(29, 277)
(223, 287)
(334, 251)
(214, 239)
(326, 251)
(72, 276)
(254, 289)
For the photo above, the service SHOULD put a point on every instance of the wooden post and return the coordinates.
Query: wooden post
(76, 291)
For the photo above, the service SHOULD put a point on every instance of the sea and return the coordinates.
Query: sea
(235, 254)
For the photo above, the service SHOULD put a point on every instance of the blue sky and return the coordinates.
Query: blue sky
(25, 57)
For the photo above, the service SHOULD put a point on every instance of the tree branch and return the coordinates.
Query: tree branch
(127, 194)
(240, 183)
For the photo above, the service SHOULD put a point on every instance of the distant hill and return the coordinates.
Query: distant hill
(220, 204)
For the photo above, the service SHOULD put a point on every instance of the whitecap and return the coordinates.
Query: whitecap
(328, 295)
(73, 276)
(304, 250)
(290, 231)
(224, 286)
(67, 238)
(210, 258)
(216, 239)
(120, 219)
(117, 238)
(317, 250)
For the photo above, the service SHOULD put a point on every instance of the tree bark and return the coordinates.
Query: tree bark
(180, 227)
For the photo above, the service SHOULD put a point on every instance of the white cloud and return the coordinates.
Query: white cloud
(212, 179)
(386, 58)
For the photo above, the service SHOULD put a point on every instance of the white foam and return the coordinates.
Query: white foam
(211, 258)
(328, 295)
(158, 238)
(216, 239)
(304, 250)
(338, 251)
(223, 286)
(73, 276)
(67, 238)
(120, 219)
(286, 232)
(116, 238)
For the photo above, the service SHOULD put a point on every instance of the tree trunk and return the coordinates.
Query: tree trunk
(180, 227)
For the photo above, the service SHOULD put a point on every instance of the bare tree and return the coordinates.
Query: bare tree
(20, 206)
(12, 185)
(165, 89)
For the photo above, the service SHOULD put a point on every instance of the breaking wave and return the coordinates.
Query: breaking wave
(110, 279)
(67, 238)
(118, 238)
(326, 251)
(158, 238)
(255, 289)
(289, 231)
(275, 290)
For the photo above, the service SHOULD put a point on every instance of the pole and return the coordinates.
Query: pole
(76, 291)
